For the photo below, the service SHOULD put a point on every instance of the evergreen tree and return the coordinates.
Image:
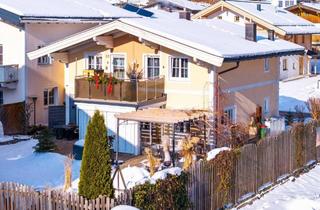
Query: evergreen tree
(95, 173)
(45, 143)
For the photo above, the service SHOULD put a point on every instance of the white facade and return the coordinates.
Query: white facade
(14, 52)
(129, 141)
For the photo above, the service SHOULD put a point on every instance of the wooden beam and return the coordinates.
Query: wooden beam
(107, 41)
(61, 57)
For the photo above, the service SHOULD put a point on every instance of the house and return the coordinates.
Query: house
(159, 61)
(283, 3)
(270, 21)
(177, 5)
(30, 24)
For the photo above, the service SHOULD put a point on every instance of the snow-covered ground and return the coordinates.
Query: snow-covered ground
(302, 193)
(297, 92)
(19, 164)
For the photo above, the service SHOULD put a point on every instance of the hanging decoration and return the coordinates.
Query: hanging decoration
(96, 80)
(110, 85)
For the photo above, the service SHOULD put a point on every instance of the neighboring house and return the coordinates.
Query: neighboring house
(283, 3)
(177, 5)
(271, 21)
(181, 62)
(30, 24)
(310, 12)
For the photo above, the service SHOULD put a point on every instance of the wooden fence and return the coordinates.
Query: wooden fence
(21, 197)
(258, 166)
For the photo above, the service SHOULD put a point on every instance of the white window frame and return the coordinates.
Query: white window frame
(145, 64)
(124, 55)
(95, 55)
(55, 96)
(266, 64)
(234, 109)
(170, 69)
(266, 105)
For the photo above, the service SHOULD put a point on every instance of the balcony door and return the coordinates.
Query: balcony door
(152, 66)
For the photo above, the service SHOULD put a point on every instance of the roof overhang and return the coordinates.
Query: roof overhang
(223, 4)
(126, 27)
(301, 6)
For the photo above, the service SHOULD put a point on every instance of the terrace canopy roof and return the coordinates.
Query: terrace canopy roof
(162, 116)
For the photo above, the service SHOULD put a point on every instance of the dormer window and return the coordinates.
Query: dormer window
(44, 60)
(236, 18)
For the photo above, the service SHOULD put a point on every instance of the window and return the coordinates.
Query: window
(118, 66)
(1, 97)
(220, 17)
(284, 64)
(230, 113)
(291, 3)
(179, 68)
(280, 4)
(49, 96)
(293, 66)
(1, 54)
(236, 18)
(94, 61)
(266, 64)
(266, 105)
(152, 64)
(44, 60)
(286, 3)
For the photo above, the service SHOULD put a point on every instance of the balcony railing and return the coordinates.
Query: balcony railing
(126, 90)
(8, 76)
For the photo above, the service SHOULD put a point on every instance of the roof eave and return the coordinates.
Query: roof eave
(253, 57)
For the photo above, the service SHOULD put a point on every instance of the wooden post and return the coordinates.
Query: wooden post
(173, 144)
(117, 139)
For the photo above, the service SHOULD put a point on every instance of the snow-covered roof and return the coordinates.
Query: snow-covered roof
(275, 18)
(313, 5)
(270, 13)
(192, 38)
(93, 9)
(190, 5)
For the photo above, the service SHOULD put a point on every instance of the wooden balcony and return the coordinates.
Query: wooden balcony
(135, 91)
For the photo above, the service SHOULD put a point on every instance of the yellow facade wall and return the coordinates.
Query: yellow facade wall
(196, 92)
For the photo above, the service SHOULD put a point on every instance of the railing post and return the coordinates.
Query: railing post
(155, 88)
(120, 91)
(146, 89)
(137, 91)
(89, 89)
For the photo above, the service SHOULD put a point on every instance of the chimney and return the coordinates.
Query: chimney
(259, 7)
(271, 35)
(185, 15)
(251, 32)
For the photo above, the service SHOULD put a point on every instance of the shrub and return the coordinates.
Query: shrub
(313, 105)
(45, 143)
(95, 173)
(170, 193)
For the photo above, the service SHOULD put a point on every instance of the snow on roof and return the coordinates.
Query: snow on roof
(64, 8)
(215, 40)
(193, 6)
(274, 15)
(202, 41)
(312, 5)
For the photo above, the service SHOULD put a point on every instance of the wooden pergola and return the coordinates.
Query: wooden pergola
(160, 116)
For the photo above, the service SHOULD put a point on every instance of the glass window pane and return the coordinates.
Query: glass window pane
(45, 97)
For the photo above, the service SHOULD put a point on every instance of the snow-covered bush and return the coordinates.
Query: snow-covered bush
(45, 143)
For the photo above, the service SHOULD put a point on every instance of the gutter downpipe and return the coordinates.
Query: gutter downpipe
(217, 95)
